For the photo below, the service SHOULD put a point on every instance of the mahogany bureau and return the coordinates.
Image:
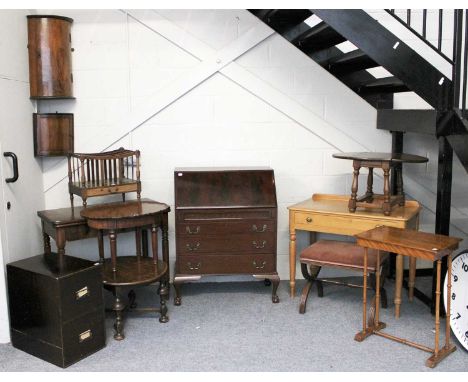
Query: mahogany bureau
(225, 224)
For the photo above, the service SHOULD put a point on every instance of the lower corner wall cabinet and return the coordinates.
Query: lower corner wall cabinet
(56, 307)
(226, 221)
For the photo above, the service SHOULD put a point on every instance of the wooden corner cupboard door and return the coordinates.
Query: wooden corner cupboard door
(49, 46)
(53, 134)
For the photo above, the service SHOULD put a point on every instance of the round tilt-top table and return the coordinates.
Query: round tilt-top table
(128, 271)
(385, 161)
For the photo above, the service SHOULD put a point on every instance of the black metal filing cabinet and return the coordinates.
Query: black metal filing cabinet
(56, 307)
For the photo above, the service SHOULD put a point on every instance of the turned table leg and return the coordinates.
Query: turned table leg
(386, 207)
(411, 277)
(100, 245)
(118, 308)
(165, 249)
(113, 249)
(398, 283)
(163, 296)
(370, 183)
(362, 335)
(46, 239)
(292, 263)
(354, 187)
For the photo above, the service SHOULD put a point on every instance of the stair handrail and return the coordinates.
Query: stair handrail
(458, 60)
(422, 35)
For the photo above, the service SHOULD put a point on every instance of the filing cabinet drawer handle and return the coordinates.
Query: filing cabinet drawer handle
(82, 293)
(192, 248)
(256, 229)
(86, 335)
(190, 232)
(309, 220)
(259, 246)
(193, 267)
(259, 266)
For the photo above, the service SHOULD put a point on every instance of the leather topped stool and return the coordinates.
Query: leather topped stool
(338, 254)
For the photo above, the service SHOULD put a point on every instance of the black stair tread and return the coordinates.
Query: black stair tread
(351, 62)
(281, 19)
(382, 85)
(320, 36)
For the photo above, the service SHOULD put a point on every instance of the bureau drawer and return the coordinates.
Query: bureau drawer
(344, 225)
(81, 292)
(83, 336)
(226, 264)
(232, 214)
(254, 243)
(226, 228)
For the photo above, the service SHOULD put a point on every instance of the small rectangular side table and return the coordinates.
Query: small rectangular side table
(420, 245)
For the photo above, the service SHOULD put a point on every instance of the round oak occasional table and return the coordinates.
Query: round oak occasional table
(128, 271)
(385, 161)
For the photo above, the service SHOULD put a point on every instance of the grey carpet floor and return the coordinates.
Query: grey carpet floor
(235, 327)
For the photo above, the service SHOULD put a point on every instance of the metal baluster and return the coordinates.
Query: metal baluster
(408, 17)
(457, 59)
(424, 23)
(465, 58)
(439, 38)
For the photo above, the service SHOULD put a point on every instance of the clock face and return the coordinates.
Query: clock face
(459, 298)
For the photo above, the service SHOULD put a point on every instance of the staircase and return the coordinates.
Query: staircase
(377, 47)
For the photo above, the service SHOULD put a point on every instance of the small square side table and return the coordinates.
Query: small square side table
(421, 245)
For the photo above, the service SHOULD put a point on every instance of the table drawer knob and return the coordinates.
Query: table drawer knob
(82, 293)
(256, 229)
(309, 220)
(193, 267)
(261, 266)
(192, 248)
(195, 231)
(259, 246)
(86, 335)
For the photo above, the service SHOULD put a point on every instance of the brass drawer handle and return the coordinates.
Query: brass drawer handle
(86, 335)
(193, 267)
(259, 266)
(259, 246)
(256, 229)
(309, 220)
(192, 248)
(190, 232)
(81, 293)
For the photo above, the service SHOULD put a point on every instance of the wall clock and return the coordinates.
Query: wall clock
(459, 298)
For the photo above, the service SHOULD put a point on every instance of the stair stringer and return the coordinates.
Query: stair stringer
(390, 52)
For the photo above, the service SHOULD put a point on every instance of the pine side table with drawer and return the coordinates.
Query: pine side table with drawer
(226, 221)
(327, 213)
(56, 307)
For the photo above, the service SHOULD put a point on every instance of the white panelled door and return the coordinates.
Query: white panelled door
(20, 200)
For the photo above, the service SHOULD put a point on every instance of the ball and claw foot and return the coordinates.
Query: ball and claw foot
(275, 299)
(177, 301)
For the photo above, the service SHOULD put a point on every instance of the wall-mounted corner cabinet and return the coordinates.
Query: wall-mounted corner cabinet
(49, 46)
(53, 134)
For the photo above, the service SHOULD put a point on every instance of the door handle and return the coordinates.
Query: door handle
(15, 166)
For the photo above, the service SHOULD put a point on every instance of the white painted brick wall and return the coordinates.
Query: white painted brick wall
(218, 123)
